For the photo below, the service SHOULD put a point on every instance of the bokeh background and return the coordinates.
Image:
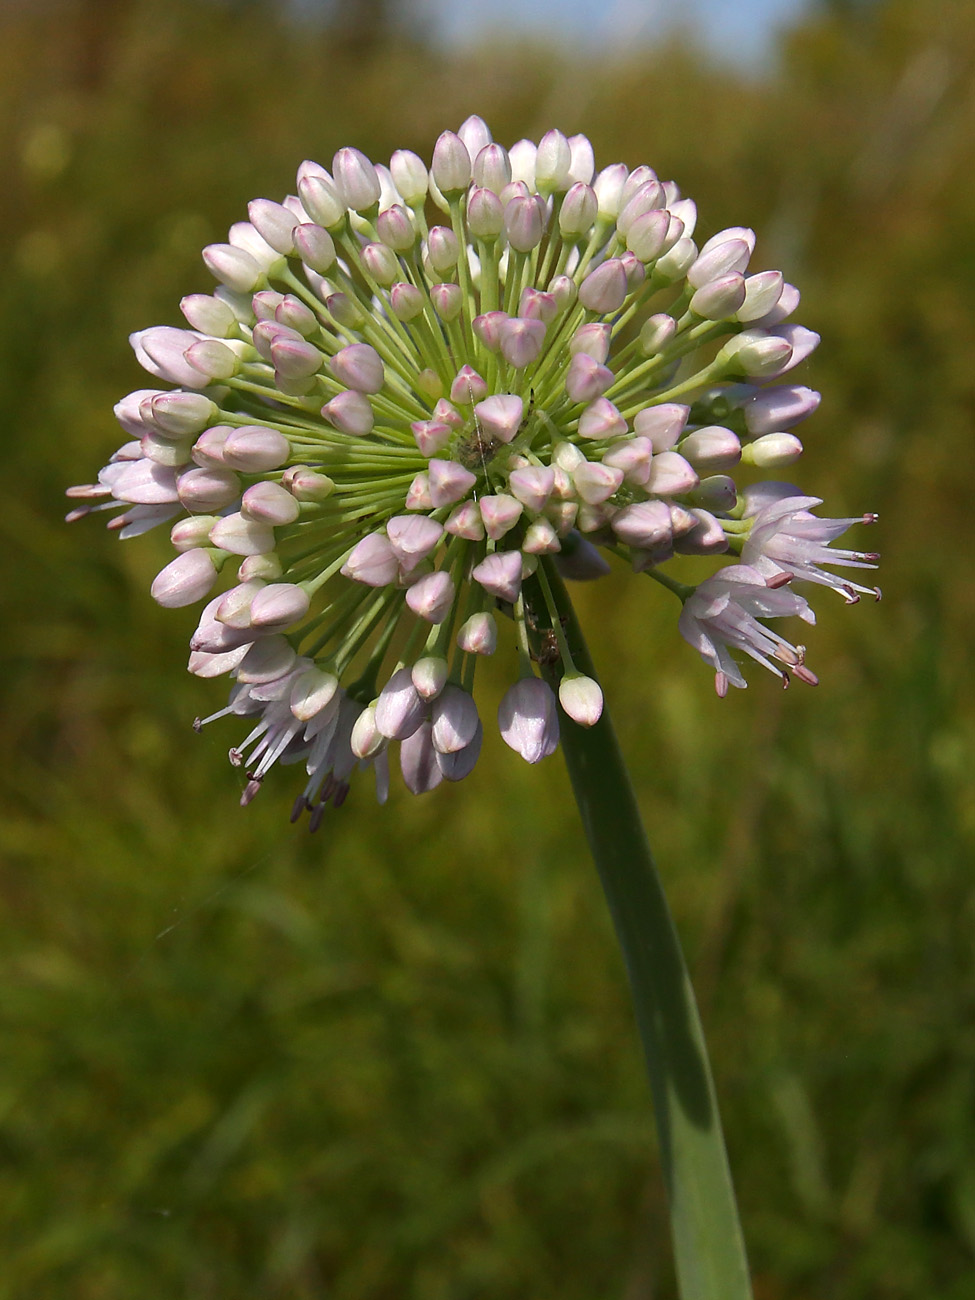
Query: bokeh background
(397, 1059)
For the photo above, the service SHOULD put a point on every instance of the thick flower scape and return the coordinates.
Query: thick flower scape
(391, 431)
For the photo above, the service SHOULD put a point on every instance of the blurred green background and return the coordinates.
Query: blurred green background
(397, 1059)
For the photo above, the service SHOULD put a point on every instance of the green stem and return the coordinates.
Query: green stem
(709, 1248)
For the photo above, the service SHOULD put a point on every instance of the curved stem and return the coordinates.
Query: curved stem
(709, 1248)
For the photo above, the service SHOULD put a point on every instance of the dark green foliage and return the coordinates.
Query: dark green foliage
(397, 1059)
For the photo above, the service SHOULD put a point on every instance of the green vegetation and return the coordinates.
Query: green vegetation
(397, 1059)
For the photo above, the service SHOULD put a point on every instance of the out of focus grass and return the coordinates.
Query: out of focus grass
(397, 1059)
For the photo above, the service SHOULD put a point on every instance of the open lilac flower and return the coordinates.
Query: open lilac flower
(415, 394)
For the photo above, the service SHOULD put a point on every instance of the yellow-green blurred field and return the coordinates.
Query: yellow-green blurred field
(396, 1059)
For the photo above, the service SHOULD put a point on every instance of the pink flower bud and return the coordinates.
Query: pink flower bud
(711, 448)
(380, 264)
(344, 310)
(578, 212)
(582, 163)
(432, 596)
(540, 539)
(418, 761)
(413, 538)
(593, 340)
(366, 739)
(350, 412)
(208, 490)
(485, 214)
(478, 635)
(521, 157)
(429, 676)
(648, 235)
(717, 260)
(274, 223)
(265, 568)
(707, 537)
(608, 187)
(179, 414)
(662, 424)
(314, 246)
(448, 482)
(208, 449)
(802, 341)
(372, 561)
(553, 160)
(500, 513)
(779, 408)
(528, 719)
(406, 301)
(595, 482)
(656, 333)
(355, 180)
(448, 414)
(586, 379)
(491, 168)
(648, 198)
(269, 503)
(454, 719)
(212, 358)
(466, 522)
(521, 341)
(447, 299)
(772, 451)
(673, 264)
(488, 329)
(306, 484)
(581, 698)
(396, 229)
(670, 475)
(563, 289)
(184, 580)
(500, 575)
(500, 416)
(604, 290)
(523, 223)
(255, 449)
(468, 387)
(208, 315)
(644, 524)
(633, 457)
(186, 534)
(409, 175)
(536, 305)
(532, 485)
(233, 267)
(451, 167)
(162, 351)
(278, 605)
(431, 435)
(719, 299)
(400, 709)
(601, 419)
(717, 493)
(358, 366)
(242, 536)
(443, 249)
(418, 494)
(762, 293)
(140, 482)
(294, 358)
(756, 355)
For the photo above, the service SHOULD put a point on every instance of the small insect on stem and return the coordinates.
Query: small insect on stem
(544, 640)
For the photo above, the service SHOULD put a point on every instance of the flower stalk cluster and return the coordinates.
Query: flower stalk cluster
(415, 394)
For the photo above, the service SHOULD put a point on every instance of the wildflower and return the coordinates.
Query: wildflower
(413, 397)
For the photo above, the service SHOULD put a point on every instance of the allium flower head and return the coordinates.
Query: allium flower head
(414, 395)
